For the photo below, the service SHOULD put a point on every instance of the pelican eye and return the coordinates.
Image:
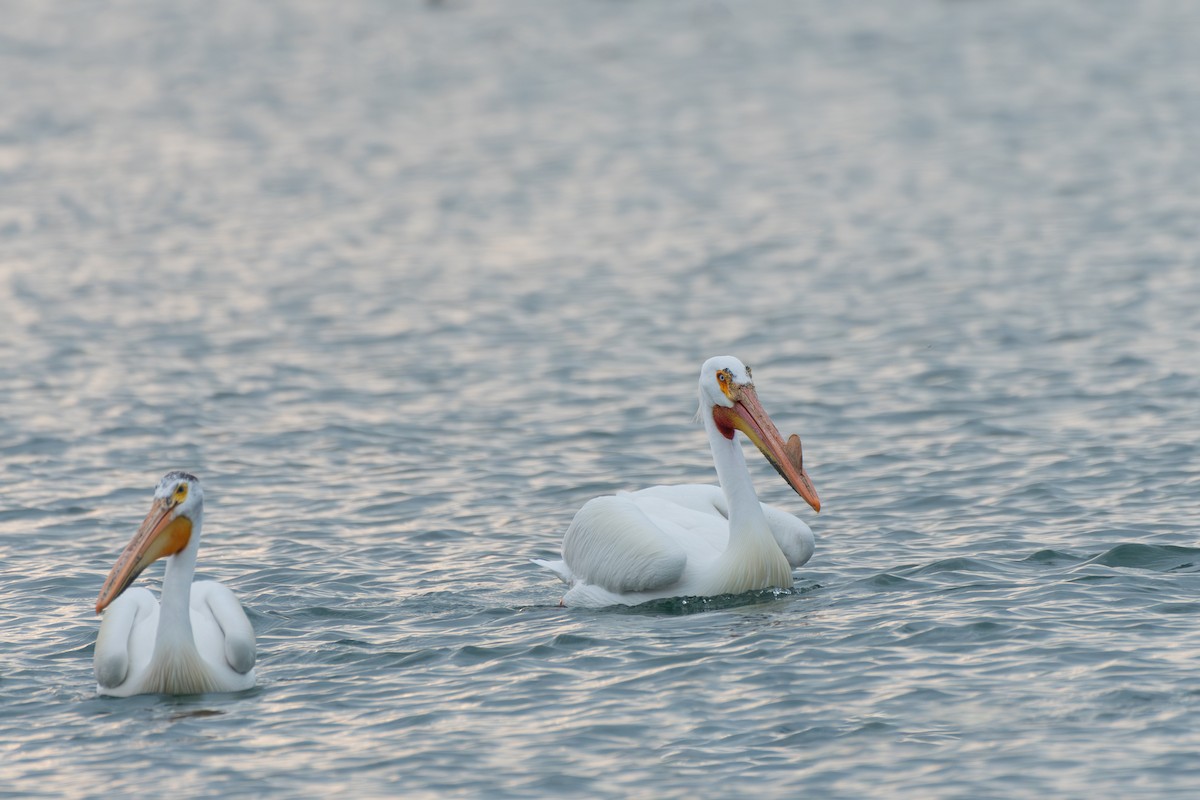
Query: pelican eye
(722, 377)
(181, 491)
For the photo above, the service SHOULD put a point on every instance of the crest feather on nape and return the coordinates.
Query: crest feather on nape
(180, 475)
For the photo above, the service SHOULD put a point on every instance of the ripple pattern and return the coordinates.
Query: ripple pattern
(407, 283)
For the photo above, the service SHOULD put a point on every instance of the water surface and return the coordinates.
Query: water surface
(406, 284)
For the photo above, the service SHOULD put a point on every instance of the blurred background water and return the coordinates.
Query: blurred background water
(407, 283)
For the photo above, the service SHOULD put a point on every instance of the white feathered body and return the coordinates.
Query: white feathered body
(216, 655)
(694, 540)
(672, 541)
(196, 639)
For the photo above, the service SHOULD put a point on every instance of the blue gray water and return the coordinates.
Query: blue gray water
(407, 283)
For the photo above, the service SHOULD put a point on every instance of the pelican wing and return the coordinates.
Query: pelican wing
(215, 601)
(114, 643)
(794, 537)
(612, 543)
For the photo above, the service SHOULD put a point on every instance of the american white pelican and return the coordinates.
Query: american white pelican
(198, 639)
(679, 541)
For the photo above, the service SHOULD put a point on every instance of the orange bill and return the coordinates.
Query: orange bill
(160, 535)
(747, 415)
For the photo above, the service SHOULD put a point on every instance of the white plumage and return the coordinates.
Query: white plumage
(198, 638)
(694, 540)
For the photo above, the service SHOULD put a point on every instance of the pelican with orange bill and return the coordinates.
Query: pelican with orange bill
(197, 639)
(695, 540)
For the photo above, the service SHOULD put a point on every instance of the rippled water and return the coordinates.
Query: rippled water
(406, 284)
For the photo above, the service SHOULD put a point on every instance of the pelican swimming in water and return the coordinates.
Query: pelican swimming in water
(692, 540)
(198, 639)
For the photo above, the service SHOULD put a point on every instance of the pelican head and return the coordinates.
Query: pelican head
(727, 392)
(167, 529)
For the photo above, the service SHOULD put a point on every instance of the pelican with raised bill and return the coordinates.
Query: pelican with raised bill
(198, 639)
(695, 540)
